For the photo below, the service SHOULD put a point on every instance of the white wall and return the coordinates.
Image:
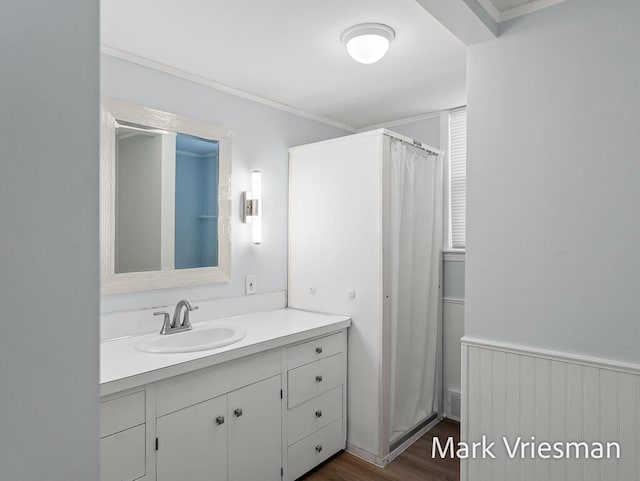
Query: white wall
(261, 138)
(139, 204)
(49, 240)
(553, 175)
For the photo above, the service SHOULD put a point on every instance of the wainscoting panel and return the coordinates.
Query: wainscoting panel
(513, 391)
(453, 330)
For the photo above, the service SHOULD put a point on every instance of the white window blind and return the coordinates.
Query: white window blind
(458, 177)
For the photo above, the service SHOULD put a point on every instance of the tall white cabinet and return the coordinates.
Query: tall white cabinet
(338, 206)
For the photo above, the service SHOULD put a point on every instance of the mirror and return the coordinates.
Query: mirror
(165, 199)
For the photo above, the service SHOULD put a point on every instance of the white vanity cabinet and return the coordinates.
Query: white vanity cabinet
(123, 437)
(269, 416)
(255, 432)
(194, 441)
(222, 423)
(316, 402)
(214, 439)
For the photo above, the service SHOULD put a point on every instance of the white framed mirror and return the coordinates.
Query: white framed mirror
(165, 199)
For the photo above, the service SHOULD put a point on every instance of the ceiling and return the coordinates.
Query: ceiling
(289, 52)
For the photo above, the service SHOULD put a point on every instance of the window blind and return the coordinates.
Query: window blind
(458, 176)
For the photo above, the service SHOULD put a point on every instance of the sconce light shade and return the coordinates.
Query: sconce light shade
(368, 42)
(252, 207)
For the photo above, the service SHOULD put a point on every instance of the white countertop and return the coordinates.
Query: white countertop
(123, 367)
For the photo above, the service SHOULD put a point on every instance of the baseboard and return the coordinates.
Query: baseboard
(384, 460)
(512, 390)
(407, 444)
(453, 300)
(364, 455)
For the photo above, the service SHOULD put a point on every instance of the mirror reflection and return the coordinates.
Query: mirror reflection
(166, 200)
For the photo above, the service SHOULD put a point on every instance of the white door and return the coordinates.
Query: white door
(192, 443)
(255, 436)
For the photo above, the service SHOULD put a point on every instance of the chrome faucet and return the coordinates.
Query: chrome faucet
(178, 324)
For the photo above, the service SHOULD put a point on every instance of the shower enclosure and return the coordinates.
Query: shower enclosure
(365, 230)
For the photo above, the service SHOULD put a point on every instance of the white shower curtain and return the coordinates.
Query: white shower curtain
(415, 230)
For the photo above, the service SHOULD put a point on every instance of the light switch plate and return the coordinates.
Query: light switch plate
(250, 285)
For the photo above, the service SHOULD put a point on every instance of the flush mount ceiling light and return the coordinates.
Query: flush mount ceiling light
(368, 42)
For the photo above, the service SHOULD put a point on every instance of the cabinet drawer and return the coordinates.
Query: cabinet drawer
(314, 414)
(122, 413)
(122, 455)
(312, 379)
(314, 449)
(193, 388)
(315, 350)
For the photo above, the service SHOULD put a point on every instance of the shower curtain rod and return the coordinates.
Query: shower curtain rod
(415, 143)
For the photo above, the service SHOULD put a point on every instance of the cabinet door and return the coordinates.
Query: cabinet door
(192, 443)
(255, 437)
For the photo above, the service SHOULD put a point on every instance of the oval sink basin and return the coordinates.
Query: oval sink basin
(198, 339)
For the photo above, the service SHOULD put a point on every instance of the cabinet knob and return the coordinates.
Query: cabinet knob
(318, 414)
(238, 412)
(220, 420)
(319, 350)
(318, 378)
(319, 448)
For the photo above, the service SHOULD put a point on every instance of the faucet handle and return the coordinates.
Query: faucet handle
(166, 325)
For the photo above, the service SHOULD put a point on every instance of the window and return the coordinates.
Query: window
(458, 177)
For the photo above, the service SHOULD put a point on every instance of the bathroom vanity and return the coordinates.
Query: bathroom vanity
(271, 406)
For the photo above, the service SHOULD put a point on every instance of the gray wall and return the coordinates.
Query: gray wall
(453, 280)
(261, 138)
(49, 240)
(553, 175)
(426, 131)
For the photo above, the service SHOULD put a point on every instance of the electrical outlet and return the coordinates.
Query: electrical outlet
(250, 285)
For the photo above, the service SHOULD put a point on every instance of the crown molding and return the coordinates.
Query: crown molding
(527, 8)
(491, 9)
(406, 120)
(510, 13)
(161, 67)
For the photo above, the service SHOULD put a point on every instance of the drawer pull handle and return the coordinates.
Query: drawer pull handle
(319, 350)
(319, 448)
(318, 414)
(220, 420)
(238, 412)
(318, 378)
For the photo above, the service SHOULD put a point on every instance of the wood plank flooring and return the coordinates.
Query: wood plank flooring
(415, 464)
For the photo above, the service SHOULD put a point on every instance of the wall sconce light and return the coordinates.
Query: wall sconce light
(252, 206)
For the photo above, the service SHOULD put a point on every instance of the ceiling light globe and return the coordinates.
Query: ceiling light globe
(367, 43)
(368, 48)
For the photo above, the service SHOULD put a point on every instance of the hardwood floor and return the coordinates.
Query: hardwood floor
(415, 464)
